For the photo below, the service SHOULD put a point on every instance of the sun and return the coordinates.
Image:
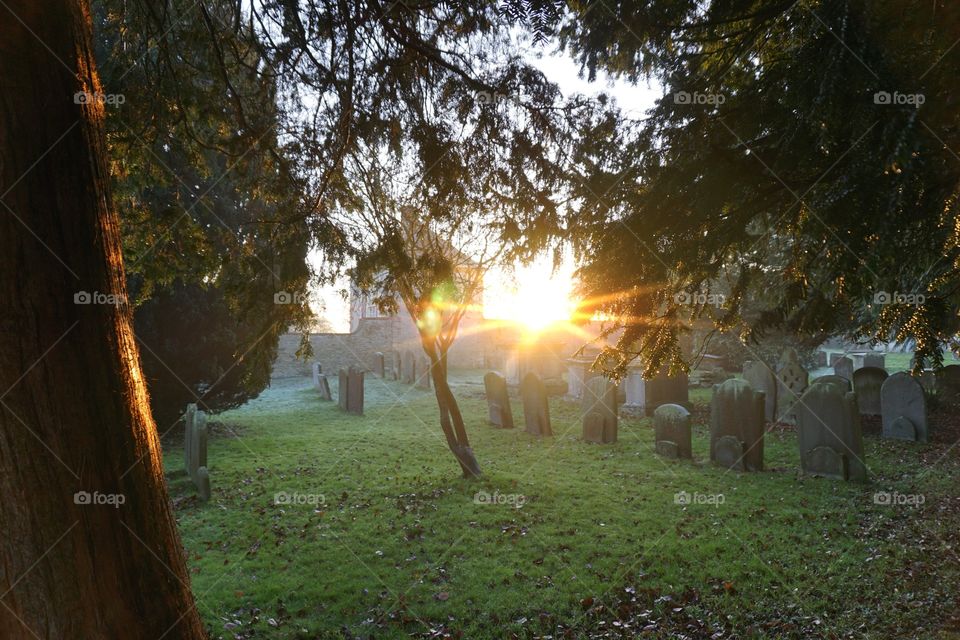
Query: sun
(534, 296)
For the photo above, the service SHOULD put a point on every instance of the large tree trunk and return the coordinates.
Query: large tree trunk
(451, 420)
(74, 412)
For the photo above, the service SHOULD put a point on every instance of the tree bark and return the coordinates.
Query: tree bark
(74, 411)
(451, 420)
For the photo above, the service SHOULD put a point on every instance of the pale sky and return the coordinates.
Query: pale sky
(503, 291)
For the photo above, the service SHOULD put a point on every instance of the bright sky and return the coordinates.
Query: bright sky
(532, 293)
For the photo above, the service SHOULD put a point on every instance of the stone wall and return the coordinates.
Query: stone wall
(335, 350)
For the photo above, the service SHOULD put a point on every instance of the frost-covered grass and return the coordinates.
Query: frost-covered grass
(389, 541)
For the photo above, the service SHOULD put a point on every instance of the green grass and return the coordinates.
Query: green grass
(901, 361)
(399, 545)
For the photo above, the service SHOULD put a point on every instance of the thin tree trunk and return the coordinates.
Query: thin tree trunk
(451, 420)
(74, 412)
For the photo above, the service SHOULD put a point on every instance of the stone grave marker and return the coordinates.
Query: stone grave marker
(762, 378)
(355, 391)
(866, 384)
(343, 384)
(829, 435)
(948, 384)
(379, 364)
(408, 367)
(536, 410)
(672, 436)
(878, 360)
(667, 389)
(903, 408)
(737, 426)
(498, 400)
(324, 389)
(195, 448)
(393, 365)
(843, 367)
(423, 372)
(635, 393)
(599, 407)
(792, 381)
(832, 379)
(317, 374)
(188, 417)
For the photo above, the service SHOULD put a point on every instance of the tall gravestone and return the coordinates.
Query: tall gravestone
(379, 364)
(634, 393)
(828, 431)
(393, 365)
(737, 426)
(195, 449)
(792, 381)
(672, 435)
(324, 389)
(317, 374)
(536, 410)
(599, 407)
(948, 384)
(188, 417)
(343, 385)
(762, 378)
(903, 408)
(408, 367)
(866, 384)
(843, 367)
(423, 373)
(498, 400)
(355, 391)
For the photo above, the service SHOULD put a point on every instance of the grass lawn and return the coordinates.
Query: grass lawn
(576, 540)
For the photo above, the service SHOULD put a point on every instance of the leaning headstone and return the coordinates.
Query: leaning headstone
(498, 400)
(355, 391)
(828, 431)
(536, 410)
(324, 389)
(762, 378)
(877, 360)
(423, 373)
(866, 384)
(948, 384)
(671, 424)
(408, 367)
(599, 408)
(845, 383)
(843, 367)
(792, 382)
(343, 385)
(903, 408)
(379, 365)
(317, 374)
(737, 426)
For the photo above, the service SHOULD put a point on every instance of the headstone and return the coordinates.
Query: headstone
(866, 384)
(343, 385)
(577, 372)
(667, 389)
(820, 359)
(635, 393)
(393, 366)
(599, 409)
(737, 426)
(536, 410)
(423, 373)
(877, 360)
(903, 408)
(843, 367)
(355, 391)
(834, 357)
(195, 449)
(948, 384)
(845, 383)
(671, 424)
(317, 374)
(828, 431)
(498, 400)
(792, 382)
(188, 418)
(762, 378)
(408, 368)
(379, 365)
(324, 389)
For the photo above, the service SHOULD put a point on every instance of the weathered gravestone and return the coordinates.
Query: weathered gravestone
(948, 384)
(878, 360)
(903, 408)
(792, 381)
(408, 368)
(498, 400)
(423, 372)
(671, 424)
(820, 359)
(667, 389)
(324, 389)
(634, 392)
(762, 378)
(379, 364)
(195, 449)
(832, 379)
(392, 365)
(317, 374)
(737, 426)
(599, 408)
(343, 384)
(355, 391)
(843, 367)
(866, 384)
(828, 428)
(536, 410)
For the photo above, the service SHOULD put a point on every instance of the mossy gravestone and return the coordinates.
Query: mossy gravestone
(536, 410)
(599, 408)
(828, 432)
(355, 391)
(671, 424)
(195, 449)
(866, 384)
(737, 426)
(498, 400)
(762, 378)
(903, 408)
